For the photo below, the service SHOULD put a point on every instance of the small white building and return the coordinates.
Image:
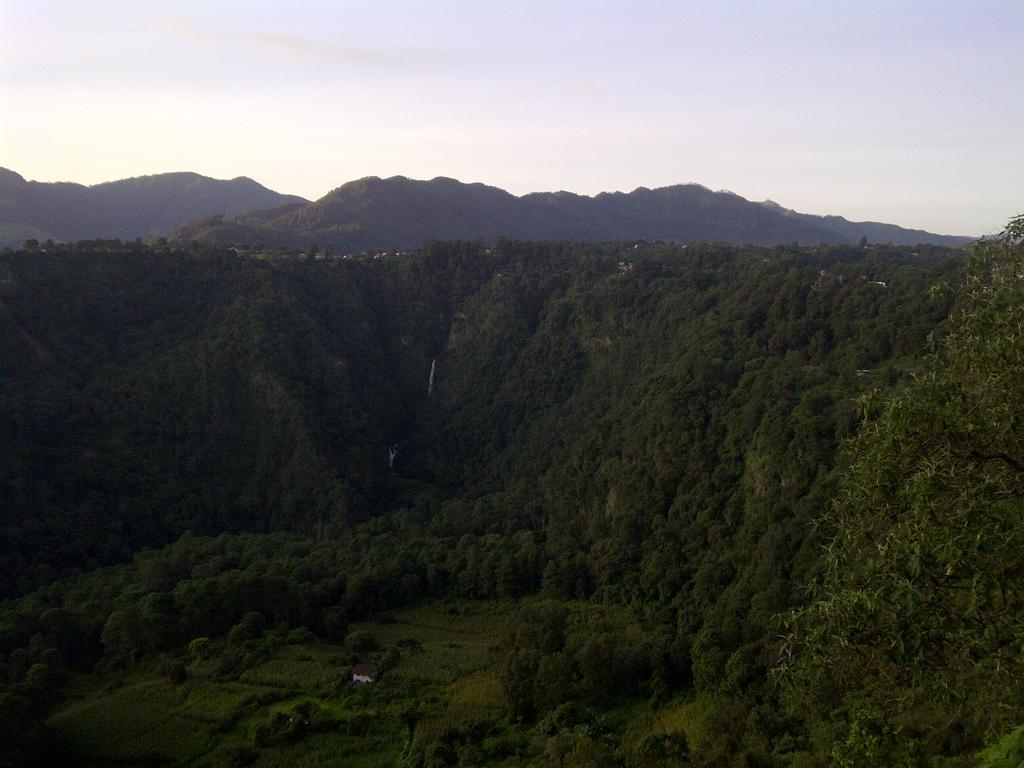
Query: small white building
(363, 674)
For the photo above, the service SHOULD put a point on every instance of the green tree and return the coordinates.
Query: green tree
(916, 621)
(361, 642)
(120, 636)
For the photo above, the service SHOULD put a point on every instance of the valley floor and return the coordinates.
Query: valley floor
(441, 699)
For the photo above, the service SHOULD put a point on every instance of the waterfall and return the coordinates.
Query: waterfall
(430, 381)
(392, 452)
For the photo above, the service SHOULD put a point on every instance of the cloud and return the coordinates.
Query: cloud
(296, 46)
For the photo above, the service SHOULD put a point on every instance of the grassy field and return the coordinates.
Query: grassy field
(143, 720)
(295, 705)
(447, 668)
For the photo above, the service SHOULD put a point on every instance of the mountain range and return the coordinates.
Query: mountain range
(145, 206)
(401, 213)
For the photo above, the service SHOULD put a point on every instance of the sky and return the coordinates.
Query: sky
(910, 112)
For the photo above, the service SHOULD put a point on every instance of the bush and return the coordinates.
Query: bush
(1008, 752)
(199, 649)
(361, 641)
(242, 756)
(300, 635)
(249, 628)
(174, 670)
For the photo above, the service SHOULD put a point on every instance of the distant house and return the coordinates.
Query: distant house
(365, 673)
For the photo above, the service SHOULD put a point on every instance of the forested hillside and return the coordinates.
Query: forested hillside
(603, 464)
(212, 392)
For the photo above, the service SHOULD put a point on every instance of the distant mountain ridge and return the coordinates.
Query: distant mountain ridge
(375, 213)
(398, 212)
(144, 206)
(873, 231)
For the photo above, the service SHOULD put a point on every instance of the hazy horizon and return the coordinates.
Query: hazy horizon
(897, 112)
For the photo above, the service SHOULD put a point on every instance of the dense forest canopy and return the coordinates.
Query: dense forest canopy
(155, 392)
(207, 452)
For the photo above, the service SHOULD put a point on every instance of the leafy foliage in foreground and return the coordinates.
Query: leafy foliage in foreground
(916, 627)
